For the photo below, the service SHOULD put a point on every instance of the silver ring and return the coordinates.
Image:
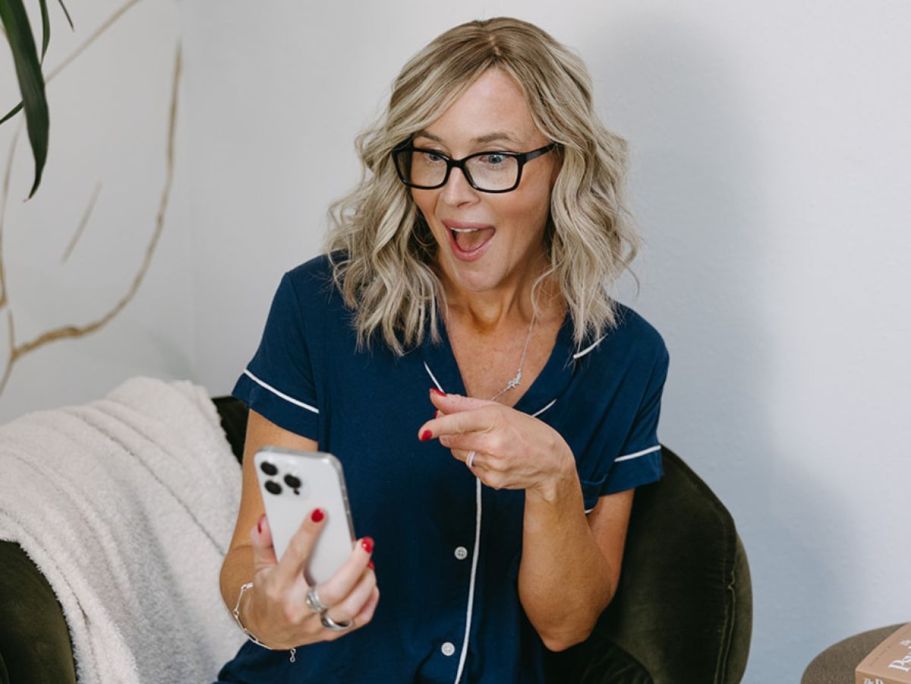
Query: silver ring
(470, 461)
(313, 602)
(329, 623)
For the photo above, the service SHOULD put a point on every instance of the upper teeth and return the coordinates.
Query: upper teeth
(465, 230)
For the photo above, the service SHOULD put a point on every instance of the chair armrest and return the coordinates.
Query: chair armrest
(684, 605)
(35, 646)
(233, 414)
(742, 630)
(683, 608)
(34, 640)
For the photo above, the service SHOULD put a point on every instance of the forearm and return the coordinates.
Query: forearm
(236, 569)
(565, 582)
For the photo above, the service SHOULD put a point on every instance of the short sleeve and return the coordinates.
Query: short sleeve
(639, 461)
(278, 381)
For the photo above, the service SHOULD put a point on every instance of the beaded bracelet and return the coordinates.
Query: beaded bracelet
(250, 635)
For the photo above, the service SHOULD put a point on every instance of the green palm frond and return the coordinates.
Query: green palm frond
(18, 33)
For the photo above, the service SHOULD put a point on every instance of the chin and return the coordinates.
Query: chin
(479, 278)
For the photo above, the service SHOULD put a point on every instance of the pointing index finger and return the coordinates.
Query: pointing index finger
(455, 403)
(454, 424)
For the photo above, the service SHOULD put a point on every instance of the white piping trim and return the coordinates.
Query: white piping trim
(281, 394)
(589, 348)
(440, 387)
(589, 510)
(538, 413)
(474, 568)
(637, 454)
(433, 377)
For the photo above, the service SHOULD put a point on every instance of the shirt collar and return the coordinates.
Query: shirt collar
(440, 363)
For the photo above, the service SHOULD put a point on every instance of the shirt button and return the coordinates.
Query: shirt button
(461, 553)
(448, 649)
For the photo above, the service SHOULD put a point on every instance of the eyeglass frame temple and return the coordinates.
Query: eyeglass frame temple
(521, 157)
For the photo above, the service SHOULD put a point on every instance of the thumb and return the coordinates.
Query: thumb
(261, 540)
(453, 403)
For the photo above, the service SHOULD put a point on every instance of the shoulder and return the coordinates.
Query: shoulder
(313, 286)
(315, 272)
(631, 342)
(309, 294)
(635, 331)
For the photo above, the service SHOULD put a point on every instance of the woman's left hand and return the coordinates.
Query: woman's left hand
(512, 449)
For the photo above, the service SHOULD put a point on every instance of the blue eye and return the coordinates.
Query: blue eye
(493, 159)
(432, 157)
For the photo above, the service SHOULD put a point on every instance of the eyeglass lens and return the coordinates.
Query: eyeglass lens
(489, 171)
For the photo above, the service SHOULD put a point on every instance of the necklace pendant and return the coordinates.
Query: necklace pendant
(512, 384)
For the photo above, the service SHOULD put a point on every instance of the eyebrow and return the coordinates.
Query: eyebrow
(489, 137)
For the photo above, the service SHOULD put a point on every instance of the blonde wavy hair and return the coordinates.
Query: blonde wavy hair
(381, 249)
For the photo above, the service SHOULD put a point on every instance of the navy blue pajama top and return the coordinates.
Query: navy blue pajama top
(447, 548)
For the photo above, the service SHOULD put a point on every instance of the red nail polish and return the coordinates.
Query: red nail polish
(434, 390)
(370, 565)
(427, 434)
(367, 544)
(259, 523)
(317, 515)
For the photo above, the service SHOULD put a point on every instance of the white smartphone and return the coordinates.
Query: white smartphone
(293, 483)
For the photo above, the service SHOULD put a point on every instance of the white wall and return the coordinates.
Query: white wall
(108, 135)
(770, 177)
(773, 179)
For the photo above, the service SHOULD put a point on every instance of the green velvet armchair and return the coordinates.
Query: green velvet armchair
(682, 613)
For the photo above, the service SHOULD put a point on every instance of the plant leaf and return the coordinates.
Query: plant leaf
(45, 29)
(11, 113)
(70, 21)
(15, 110)
(31, 81)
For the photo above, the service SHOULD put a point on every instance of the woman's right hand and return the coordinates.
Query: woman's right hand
(275, 608)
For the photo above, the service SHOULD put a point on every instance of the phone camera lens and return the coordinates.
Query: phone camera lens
(268, 468)
(292, 482)
(273, 487)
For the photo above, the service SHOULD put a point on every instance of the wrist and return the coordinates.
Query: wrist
(241, 614)
(562, 484)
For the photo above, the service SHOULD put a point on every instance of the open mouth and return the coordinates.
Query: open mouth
(470, 241)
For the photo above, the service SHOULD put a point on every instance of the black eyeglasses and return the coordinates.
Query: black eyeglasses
(485, 171)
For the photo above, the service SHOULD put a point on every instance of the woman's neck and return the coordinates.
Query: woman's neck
(505, 308)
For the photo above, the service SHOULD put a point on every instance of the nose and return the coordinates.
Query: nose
(457, 189)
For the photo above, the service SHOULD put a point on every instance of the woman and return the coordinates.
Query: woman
(457, 350)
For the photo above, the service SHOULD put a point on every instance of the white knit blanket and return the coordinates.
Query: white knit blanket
(127, 505)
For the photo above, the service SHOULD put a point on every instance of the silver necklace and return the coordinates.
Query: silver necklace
(517, 378)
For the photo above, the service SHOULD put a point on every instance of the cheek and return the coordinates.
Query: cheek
(528, 209)
(420, 202)
(424, 206)
(532, 199)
